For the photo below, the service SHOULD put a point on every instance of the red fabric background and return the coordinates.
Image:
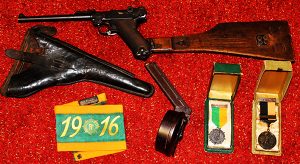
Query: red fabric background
(27, 126)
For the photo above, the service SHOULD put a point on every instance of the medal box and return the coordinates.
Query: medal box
(272, 85)
(218, 130)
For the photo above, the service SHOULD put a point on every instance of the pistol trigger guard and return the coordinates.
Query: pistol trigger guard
(106, 29)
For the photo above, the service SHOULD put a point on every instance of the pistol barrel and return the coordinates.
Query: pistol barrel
(53, 18)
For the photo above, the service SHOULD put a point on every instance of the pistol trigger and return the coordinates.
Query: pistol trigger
(110, 32)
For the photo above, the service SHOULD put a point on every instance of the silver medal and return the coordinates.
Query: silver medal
(216, 136)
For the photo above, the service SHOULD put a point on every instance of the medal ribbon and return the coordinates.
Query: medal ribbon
(267, 112)
(219, 115)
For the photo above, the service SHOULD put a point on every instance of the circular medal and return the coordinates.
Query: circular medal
(267, 140)
(216, 136)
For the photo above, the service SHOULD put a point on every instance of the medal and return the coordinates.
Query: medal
(219, 118)
(266, 139)
(216, 136)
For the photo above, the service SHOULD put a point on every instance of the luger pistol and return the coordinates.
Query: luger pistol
(263, 39)
(121, 22)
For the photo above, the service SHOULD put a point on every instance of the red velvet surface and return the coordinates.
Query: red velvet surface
(27, 125)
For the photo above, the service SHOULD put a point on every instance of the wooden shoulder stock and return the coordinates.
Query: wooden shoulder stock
(266, 39)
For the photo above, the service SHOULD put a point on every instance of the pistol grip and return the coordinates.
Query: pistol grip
(127, 30)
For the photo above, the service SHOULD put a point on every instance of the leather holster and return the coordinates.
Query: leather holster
(45, 61)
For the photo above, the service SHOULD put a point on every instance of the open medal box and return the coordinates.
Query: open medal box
(272, 85)
(219, 108)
